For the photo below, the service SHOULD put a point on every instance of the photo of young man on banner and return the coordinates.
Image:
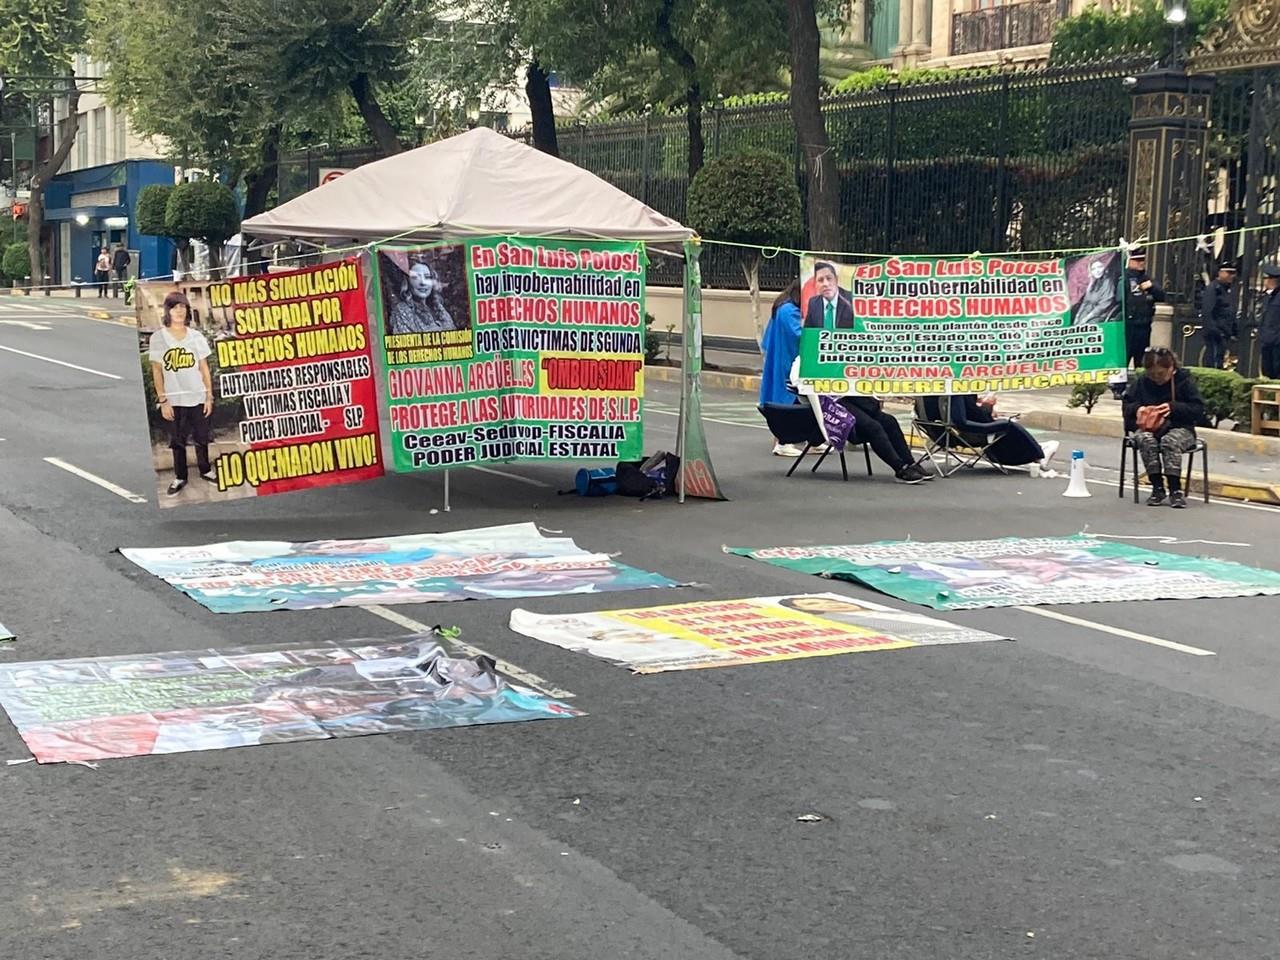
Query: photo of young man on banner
(268, 379)
(931, 326)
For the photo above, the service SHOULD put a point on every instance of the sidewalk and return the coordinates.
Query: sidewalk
(1241, 466)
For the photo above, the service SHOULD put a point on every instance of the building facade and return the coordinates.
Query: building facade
(961, 33)
(91, 203)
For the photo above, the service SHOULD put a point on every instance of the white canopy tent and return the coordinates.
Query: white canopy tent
(481, 183)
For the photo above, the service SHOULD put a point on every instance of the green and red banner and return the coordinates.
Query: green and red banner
(501, 349)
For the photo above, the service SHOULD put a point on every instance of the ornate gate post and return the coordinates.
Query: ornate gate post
(1165, 191)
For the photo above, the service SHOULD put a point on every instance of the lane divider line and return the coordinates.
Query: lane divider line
(95, 479)
(513, 476)
(61, 363)
(1117, 631)
(510, 669)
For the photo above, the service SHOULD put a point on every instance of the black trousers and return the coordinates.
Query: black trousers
(1215, 351)
(1137, 337)
(1015, 447)
(878, 429)
(189, 423)
(119, 282)
(102, 277)
(1271, 360)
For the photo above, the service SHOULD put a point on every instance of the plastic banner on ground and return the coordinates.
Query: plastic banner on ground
(941, 325)
(723, 633)
(259, 385)
(501, 349)
(1013, 571)
(97, 708)
(697, 475)
(6, 634)
(515, 560)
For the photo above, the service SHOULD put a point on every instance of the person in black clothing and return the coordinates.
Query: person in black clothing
(880, 430)
(1269, 326)
(120, 261)
(1161, 409)
(1013, 447)
(1218, 316)
(1140, 298)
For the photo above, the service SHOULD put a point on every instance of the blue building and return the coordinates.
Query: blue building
(94, 207)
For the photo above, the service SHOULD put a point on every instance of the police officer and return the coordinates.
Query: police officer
(1141, 295)
(1218, 315)
(1269, 325)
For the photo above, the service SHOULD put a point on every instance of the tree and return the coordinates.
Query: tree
(308, 50)
(1095, 33)
(811, 127)
(152, 209)
(16, 261)
(749, 198)
(203, 210)
(40, 39)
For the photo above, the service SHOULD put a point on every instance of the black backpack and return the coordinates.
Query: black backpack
(649, 479)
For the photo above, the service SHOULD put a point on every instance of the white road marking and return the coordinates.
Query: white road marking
(510, 669)
(61, 363)
(512, 476)
(1117, 631)
(21, 306)
(95, 479)
(28, 324)
(648, 408)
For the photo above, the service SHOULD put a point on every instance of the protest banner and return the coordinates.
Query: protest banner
(514, 560)
(96, 708)
(268, 378)
(502, 349)
(724, 633)
(944, 325)
(1014, 571)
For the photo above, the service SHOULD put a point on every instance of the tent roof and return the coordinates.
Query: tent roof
(478, 182)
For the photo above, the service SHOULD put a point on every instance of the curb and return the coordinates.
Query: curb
(746, 382)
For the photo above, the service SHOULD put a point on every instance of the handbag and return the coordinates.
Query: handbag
(1150, 419)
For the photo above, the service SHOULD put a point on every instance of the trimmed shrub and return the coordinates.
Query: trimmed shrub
(16, 262)
(151, 208)
(204, 210)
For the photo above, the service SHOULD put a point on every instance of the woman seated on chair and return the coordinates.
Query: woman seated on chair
(1161, 409)
(975, 418)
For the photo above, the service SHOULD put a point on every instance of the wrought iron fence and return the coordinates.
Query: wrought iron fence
(1007, 25)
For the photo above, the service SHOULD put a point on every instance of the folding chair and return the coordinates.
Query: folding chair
(938, 435)
(1130, 443)
(796, 423)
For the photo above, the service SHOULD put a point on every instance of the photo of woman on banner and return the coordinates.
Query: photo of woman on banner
(424, 290)
(184, 389)
(1093, 283)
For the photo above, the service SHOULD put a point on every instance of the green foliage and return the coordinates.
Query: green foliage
(1242, 407)
(1086, 395)
(1220, 390)
(652, 345)
(874, 78)
(16, 262)
(749, 197)
(40, 37)
(1141, 29)
(204, 210)
(151, 210)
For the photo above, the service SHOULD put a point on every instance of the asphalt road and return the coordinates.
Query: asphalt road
(1076, 794)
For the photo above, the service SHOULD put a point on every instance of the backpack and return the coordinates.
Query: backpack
(649, 479)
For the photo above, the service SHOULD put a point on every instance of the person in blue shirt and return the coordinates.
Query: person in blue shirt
(781, 346)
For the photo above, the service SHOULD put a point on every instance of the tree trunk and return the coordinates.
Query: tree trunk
(811, 129)
(40, 179)
(538, 89)
(381, 131)
(258, 183)
(683, 59)
(751, 270)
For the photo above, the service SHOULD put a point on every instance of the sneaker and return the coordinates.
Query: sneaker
(1156, 498)
(1050, 447)
(1177, 499)
(911, 474)
(210, 475)
(786, 450)
(175, 488)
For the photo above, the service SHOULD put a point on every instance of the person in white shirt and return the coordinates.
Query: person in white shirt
(184, 392)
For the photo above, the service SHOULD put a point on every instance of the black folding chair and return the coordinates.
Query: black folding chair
(796, 423)
(959, 448)
(1129, 448)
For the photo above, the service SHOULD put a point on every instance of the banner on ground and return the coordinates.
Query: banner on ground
(259, 385)
(722, 633)
(507, 561)
(6, 634)
(1013, 571)
(942, 325)
(502, 349)
(97, 708)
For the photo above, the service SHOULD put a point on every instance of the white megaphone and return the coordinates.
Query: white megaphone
(1077, 487)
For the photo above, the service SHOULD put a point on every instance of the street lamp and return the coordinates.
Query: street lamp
(1175, 14)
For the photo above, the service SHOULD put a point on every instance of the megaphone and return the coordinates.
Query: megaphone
(1077, 486)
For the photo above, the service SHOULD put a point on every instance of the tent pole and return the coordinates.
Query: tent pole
(446, 491)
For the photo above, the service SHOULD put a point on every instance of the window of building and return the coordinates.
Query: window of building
(82, 142)
(100, 136)
(118, 147)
